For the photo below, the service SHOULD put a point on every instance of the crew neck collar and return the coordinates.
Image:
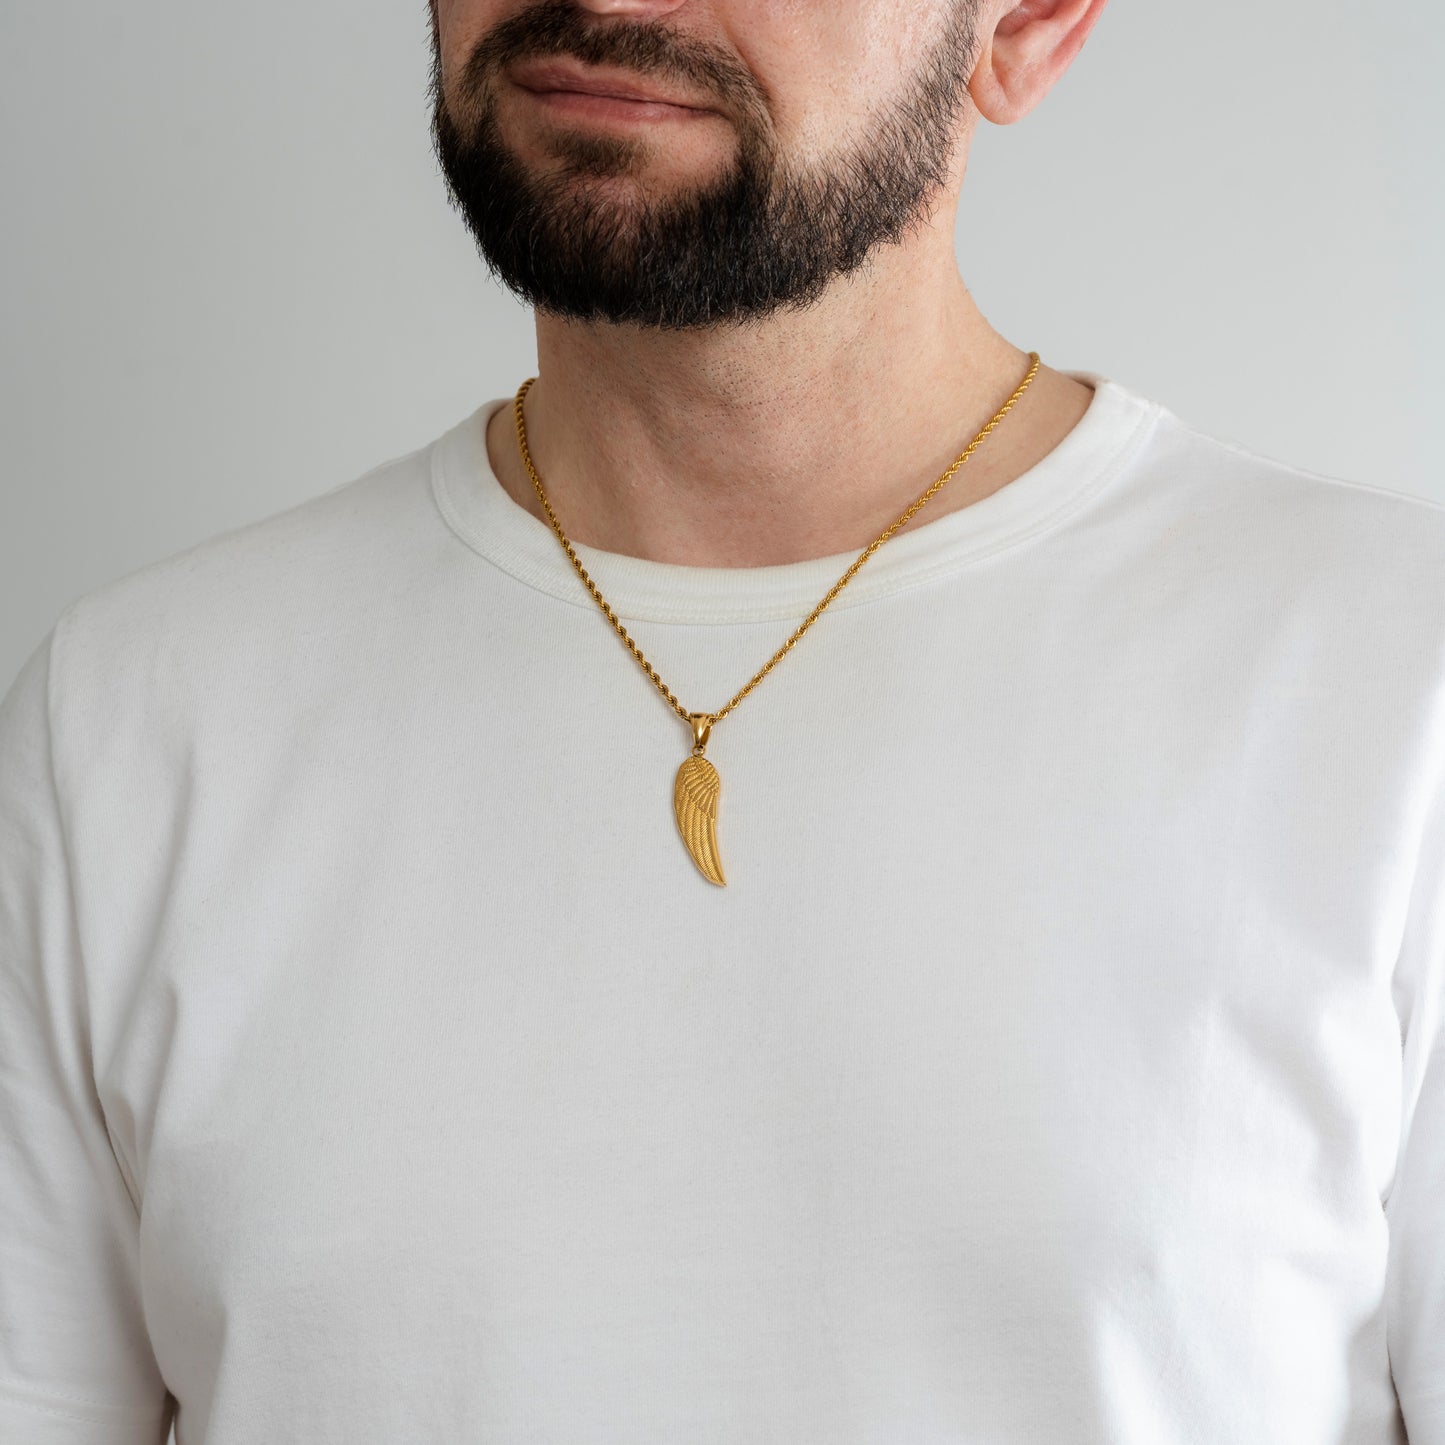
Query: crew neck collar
(483, 514)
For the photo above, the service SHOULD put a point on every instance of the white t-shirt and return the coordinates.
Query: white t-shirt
(1061, 1062)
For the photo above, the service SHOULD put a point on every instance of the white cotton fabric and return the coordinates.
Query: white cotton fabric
(1062, 1061)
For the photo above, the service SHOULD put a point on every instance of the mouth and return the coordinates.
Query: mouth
(566, 87)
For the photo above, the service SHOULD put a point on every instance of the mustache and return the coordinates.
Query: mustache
(558, 27)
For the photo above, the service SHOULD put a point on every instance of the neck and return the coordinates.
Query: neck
(801, 436)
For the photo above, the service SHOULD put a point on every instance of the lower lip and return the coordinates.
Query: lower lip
(581, 105)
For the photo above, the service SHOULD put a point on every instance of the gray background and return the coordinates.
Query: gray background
(231, 279)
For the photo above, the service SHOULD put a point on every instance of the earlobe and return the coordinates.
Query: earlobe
(983, 86)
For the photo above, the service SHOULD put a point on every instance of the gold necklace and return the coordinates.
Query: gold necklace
(697, 785)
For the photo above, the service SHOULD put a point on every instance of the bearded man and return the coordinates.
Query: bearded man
(808, 877)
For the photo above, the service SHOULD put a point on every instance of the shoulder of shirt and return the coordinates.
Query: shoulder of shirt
(282, 579)
(1268, 476)
(1288, 517)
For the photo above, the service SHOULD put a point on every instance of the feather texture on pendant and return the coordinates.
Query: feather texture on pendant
(694, 801)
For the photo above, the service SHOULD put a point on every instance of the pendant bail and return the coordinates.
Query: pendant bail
(701, 727)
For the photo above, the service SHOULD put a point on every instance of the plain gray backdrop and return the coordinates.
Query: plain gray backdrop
(232, 280)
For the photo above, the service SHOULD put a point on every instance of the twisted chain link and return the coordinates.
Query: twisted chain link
(813, 616)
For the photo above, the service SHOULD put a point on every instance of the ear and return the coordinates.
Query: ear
(1029, 47)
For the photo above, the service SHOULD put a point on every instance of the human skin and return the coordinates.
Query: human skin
(807, 432)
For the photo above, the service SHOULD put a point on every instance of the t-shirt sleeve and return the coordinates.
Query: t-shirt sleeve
(1415, 1203)
(76, 1366)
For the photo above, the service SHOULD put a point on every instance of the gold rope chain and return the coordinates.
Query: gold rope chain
(813, 616)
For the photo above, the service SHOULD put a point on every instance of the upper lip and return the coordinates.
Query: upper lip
(555, 74)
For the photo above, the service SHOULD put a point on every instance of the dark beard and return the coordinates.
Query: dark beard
(764, 235)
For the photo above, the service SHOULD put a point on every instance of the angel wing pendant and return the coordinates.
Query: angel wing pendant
(694, 803)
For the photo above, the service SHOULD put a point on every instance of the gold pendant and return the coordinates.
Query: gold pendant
(694, 802)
